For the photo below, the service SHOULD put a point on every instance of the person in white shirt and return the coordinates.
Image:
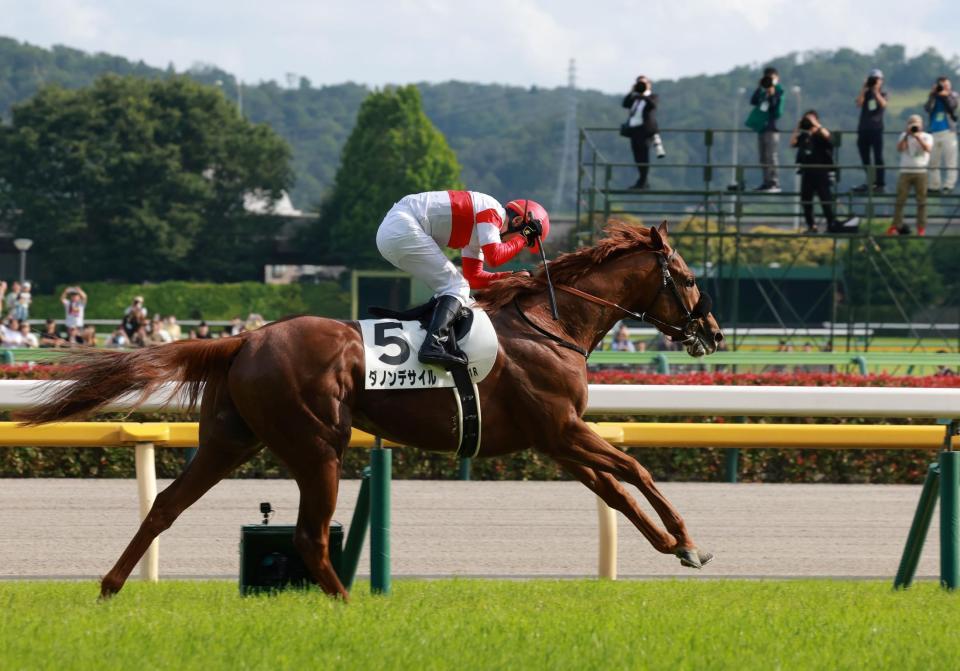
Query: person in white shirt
(27, 337)
(74, 301)
(10, 335)
(914, 146)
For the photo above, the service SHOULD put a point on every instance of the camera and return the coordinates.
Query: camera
(766, 82)
(939, 87)
(805, 124)
(914, 129)
(640, 87)
(658, 145)
(871, 82)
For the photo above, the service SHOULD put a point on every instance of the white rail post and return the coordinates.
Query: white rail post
(608, 541)
(147, 491)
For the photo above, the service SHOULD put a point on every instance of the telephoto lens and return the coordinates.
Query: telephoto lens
(914, 129)
(766, 82)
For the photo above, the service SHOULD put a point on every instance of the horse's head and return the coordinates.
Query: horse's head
(678, 308)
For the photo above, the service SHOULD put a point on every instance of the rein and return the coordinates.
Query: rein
(685, 333)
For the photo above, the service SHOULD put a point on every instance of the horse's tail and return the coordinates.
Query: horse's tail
(100, 376)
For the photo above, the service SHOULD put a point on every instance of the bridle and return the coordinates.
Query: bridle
(684, 333)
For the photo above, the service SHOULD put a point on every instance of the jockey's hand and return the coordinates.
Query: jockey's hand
(531, 231)
(523, 273)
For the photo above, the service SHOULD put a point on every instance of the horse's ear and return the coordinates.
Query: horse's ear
(662, 229)
(658, 240)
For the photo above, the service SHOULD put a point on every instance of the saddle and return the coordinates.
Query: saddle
(465, 389)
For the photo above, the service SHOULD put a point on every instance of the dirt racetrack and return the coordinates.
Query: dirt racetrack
(77, 528)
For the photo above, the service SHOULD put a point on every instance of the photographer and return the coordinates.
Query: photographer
(941, 106)
(815, 158)
(641, 127)
(872, 101)
(767, 101)
(914, 146)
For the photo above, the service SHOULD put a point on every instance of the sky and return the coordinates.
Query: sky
(516, 42)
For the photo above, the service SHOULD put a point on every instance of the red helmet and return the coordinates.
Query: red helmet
(522, 207)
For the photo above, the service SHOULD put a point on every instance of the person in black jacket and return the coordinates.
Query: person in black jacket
(815, 157)
(641, 126)
(872, 102)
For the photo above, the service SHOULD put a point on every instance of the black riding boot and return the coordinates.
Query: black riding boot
(434, 349)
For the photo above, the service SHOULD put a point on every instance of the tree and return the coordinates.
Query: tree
(393, 151)
(135, 179)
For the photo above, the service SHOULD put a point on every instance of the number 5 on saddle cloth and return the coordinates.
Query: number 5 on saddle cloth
(390, 347)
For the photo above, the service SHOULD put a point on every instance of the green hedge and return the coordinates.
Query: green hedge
(195, 300)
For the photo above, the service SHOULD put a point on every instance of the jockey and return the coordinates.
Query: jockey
(416, 230)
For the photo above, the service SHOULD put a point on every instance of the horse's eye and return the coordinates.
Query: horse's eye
(691, 282)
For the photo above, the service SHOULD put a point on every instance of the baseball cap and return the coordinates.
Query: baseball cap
(876, 72)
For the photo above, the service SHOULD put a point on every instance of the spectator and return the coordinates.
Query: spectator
(641, 127)
(10, 299)
(173, 328)
(21, 310)
(236, 326)
(27, 337)
(118, 338)
(941, 105)
(943, 371)
(621, 341)
(914, 146)
(89, 336)
(74, 301)
(872, 101)
(202, 332)
(50, 336)
(140, 337)
(74, 337)
(134, 316)
(254, 321)
(815, 158)
(10, 335)
(158, 331)
(767, 101)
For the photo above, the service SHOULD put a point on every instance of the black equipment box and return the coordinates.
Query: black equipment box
(269, 561)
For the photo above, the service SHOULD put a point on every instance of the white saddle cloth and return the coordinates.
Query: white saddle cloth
(390, 348)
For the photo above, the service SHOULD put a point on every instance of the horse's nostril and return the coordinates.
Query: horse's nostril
(718, 337)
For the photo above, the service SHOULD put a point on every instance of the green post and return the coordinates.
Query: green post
(8, 358)
(358, 531)
(949, 519)
(380, 467)
(861, 362)
(918, 529)
(731, 464)
(663, 365)
(464, 469)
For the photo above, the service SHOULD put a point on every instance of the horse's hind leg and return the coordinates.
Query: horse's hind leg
(225, 443)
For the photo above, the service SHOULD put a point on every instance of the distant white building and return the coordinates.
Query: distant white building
(259, 202)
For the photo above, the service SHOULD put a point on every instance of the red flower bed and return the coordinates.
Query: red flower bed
(795, 379)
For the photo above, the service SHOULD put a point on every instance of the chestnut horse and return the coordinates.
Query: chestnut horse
(297, 387)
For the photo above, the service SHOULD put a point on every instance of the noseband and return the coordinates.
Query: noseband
(685, 332)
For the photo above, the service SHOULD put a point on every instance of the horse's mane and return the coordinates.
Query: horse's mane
(568, 268)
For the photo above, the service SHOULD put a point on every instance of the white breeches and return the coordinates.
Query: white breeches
(403, 242)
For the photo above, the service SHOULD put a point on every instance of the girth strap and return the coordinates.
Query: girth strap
(468, 412)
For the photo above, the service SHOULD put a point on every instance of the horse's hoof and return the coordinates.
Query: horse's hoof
(705, 557)
(689, 558)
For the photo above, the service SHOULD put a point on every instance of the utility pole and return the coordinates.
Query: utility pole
(569, 137)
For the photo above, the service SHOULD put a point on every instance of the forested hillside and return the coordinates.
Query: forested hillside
(508, 139)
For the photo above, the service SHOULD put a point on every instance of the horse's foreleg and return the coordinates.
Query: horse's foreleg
(583, 446)
(213, 462)
(614, 495)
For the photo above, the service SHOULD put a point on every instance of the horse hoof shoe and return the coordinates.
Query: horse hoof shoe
(689, 558)
(704, 557)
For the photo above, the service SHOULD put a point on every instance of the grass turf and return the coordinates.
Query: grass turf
(474, 624)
